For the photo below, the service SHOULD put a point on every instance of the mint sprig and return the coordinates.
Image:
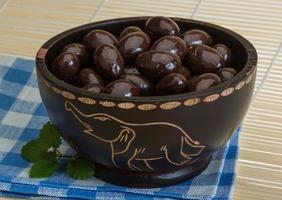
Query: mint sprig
(74, 168)
(50, 135)
(34, 150)
(45, 167)
(44, 153)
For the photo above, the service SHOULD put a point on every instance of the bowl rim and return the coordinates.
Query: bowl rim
(250, 65)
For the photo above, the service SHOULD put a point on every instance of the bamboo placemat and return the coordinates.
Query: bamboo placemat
(26, 24)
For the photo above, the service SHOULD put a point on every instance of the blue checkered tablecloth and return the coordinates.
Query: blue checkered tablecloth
(22, 115)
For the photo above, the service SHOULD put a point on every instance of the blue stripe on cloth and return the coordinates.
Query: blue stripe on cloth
(21, 117)
(6, 102)
(32, 81)
(29, 134)
(3, 70)
(22, 106)
(12, 160)
(24, 64)
(40, 111)
(11, 89)
(23, 190)
(17, 76)
(11, 132)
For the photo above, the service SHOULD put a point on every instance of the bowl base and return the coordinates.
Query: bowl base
(149, 179)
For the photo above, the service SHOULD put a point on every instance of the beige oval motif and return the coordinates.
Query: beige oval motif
(211, 98)
(107, 103)
(86, 100)
(240, 85)
(227, 92)
(126, 105)
(58, 91)
(249, 72)
(249, 79)
(68, 95)
(252, 69)
(191, 102)
(170, 105)
(147, 107)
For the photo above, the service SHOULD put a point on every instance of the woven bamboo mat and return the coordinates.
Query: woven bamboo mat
(26, 24)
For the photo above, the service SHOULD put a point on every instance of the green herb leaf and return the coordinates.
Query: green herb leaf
(80, 168)
(50, 155)
(44, 168)
(45, 160)
(50, 135)
(34, 150)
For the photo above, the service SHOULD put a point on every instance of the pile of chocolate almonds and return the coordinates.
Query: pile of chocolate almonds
(159, 60)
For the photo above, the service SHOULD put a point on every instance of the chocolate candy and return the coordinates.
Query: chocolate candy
(108, 62)
(175, 63)
(65, 66)
(122, 88)
(173, 83)
(88, 76)
(98, 37)
(184, 71)
(80, 51)
(196, 36)
(131, 70)
(157, 27)
(203, 81)
(225, 52)
(204, 59)
(156, 64)
(173, 44)
(127, 30)
(94, 88)
(145, 86)
(131, 45)
(226, 73)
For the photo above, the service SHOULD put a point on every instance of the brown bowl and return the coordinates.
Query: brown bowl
(148, 141)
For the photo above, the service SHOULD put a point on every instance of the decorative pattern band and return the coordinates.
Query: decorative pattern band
(149, 106)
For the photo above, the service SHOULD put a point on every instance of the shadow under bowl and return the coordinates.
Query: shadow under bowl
(148, 141)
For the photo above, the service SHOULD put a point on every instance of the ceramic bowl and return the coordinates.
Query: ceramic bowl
(148, 141)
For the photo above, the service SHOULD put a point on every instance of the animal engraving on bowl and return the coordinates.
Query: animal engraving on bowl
(127, 140)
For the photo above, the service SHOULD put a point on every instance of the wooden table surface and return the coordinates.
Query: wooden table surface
(26, 24)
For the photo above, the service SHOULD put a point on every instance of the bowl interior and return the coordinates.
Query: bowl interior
(243, 52)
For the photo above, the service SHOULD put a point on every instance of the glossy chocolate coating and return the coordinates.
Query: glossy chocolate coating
(203, 81)
(108, 62)
(196, 36)
(88, 76)
(122, 88)
(131, 45)
(158, 26)
(131, 70)
(173, 83)
(127, 30)
(94, 88)
(98, 37)
(184, 71)
(156, 64)
(226, 73)
(80, 51)
(65, 66)
(225, 52)
(145, 86)
(204, 59)
(173, 44)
